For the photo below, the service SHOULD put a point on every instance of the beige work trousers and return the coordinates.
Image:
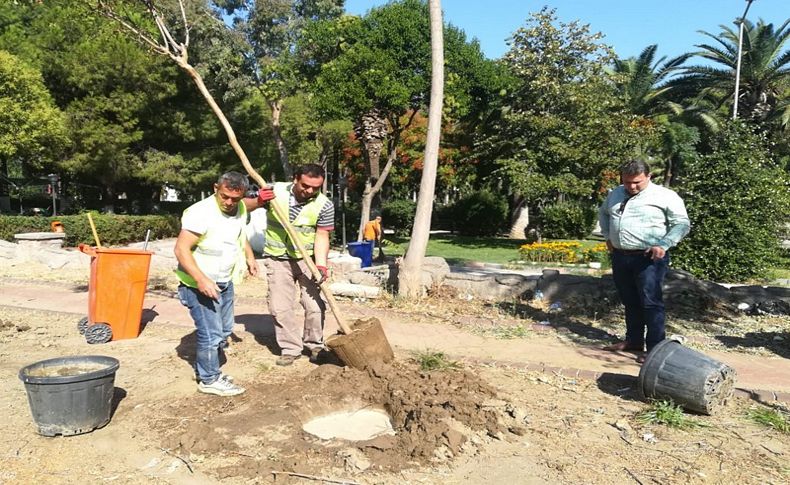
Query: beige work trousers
(284, 276)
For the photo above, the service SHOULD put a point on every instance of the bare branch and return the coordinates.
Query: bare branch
(186, 25)
(108, 12)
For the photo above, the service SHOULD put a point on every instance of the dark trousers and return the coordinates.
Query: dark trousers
(638, 280)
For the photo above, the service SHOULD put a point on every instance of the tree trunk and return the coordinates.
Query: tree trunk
(518, 228)
(372, 189)
(668, 172)
(277, 108)
(409, 276)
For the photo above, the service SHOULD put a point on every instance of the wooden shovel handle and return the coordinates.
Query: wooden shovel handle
(93, 230)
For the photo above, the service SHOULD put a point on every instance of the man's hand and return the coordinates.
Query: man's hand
(252, 267)
(324, 274)
(265, 194)
(655, 252)
(209, 288)
(609, 246)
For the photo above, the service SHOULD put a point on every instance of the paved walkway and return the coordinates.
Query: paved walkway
(764, 378)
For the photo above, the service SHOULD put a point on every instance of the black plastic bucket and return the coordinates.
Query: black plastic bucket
(690, 378)
(70, 395)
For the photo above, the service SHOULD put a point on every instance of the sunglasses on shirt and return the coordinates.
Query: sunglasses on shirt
(622, 205)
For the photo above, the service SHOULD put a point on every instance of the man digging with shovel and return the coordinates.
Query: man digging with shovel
(312, 214)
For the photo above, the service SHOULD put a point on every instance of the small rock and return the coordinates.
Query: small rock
(622, 425)
(354, 459)
(649, 438)
(22, 327)
(777, 338)
(455, 439)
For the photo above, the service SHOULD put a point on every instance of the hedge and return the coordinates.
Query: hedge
(113, 229)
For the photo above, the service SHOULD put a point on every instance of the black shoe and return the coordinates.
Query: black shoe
(315, 356)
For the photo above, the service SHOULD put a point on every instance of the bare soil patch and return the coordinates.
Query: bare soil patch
(477, 424)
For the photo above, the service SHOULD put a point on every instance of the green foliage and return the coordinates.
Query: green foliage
(432, 360)
(561, 125)
(669, 414)
(32, 128)
(567, 220)
(113, 230)
(398, 215)
(738, 200)
(481, 213)
(772, 418)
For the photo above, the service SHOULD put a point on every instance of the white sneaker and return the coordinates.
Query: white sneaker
(226, 377)
(221, 387)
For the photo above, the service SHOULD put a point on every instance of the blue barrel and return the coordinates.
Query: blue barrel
(362, 250)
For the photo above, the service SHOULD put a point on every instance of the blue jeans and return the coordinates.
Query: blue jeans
(638, 280)
(214, 324)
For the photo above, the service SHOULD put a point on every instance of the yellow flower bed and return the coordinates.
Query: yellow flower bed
(551, 252)
(562, 252)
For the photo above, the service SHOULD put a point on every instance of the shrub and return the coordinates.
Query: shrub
(480, 214)
(398, 215)
(567, 220)
(737, 200)
(113, 229)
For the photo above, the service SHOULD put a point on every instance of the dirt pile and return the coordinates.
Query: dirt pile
(435, 415)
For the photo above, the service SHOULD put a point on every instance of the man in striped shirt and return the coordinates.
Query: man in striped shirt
(641, 221)
(312, 215)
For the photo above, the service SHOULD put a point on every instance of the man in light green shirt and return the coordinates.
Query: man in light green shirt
(641, 221)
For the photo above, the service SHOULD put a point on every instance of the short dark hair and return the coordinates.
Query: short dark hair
(311, 170)
(233, 181)
(635, 167)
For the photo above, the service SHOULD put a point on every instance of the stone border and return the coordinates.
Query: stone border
(760, 395)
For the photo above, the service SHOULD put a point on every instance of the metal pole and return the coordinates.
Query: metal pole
(738, 65)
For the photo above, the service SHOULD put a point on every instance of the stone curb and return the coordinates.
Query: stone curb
(760, 395)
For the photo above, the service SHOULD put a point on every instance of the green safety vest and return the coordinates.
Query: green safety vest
(210, 252)
(278, 243)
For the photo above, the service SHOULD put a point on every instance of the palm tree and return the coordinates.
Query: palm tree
(644, 83)
(643, 80)
(765, 72)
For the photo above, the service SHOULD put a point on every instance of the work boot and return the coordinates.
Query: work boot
(286, 360)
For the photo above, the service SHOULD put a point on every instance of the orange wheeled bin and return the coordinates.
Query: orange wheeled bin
(116, 291)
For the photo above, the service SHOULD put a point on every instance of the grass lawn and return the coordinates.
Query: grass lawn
(461, 249)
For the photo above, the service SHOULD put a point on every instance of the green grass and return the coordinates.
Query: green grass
(509, 332)
(669, 414)
(461, 249)
(771, 418)
(433, 360)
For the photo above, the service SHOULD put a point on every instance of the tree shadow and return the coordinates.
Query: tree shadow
(776, 342)
(562, 321)
(261, 326)
(620, 385)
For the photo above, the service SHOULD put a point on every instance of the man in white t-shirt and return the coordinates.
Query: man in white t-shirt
(213, 253)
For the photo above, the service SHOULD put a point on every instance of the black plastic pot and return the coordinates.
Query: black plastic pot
(690, 378)
(70, 395)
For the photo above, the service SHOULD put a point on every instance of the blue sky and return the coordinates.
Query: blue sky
(629, 25)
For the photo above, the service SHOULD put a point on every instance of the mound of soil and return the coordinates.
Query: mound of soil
(433, 414)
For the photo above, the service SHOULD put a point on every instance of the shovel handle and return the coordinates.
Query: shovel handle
(93, 230)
